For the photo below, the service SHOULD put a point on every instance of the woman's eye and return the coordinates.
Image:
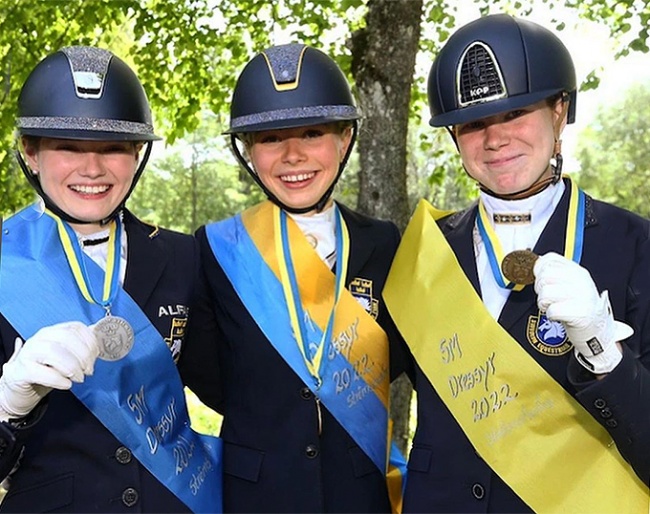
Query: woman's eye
(310, 134)
(471, 126)
(117, 149)
(515, 114)
(66, 148)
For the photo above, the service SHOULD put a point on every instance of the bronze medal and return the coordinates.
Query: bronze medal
(115, 337)
(518, 266)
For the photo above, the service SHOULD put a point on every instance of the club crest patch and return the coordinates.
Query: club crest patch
(361, 289)
(176, 337)
(547, 336)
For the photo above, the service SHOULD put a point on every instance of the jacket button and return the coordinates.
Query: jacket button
(306, 394)
(611, 423)
(478, 491)
(129, 497)
(123, 455)
(606, 413)
(311, 451)
(600, 403)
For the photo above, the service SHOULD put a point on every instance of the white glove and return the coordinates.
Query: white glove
(567, 293)
(52, 358)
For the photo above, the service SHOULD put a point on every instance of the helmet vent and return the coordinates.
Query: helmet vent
(478, 77)
(89, 66)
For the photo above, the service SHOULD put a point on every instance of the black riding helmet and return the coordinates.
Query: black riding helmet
(290, 86)
(496, 64)
(84, 93)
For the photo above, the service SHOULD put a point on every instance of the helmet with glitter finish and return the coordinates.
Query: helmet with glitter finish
(84, 93)
(496, 64)
(290, 86)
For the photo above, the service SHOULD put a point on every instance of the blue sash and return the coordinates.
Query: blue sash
(140, 398)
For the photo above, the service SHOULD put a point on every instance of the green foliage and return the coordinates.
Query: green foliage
(436, 171)
(195, 183)
(623, 17)
(202, 418)
(614, 152)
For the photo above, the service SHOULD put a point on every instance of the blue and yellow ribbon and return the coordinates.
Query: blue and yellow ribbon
(73, 253)
(572, 242)
(297, 314)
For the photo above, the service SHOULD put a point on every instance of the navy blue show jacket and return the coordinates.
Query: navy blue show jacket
(275, 457)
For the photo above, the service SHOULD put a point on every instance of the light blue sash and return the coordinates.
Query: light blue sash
(139, 398)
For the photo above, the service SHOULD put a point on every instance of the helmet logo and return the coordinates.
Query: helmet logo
(88, 84)
(478, 76)
(88, 66)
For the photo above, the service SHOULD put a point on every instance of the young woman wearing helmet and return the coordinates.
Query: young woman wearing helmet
(295, 285)
(91, 401)
(529, 400)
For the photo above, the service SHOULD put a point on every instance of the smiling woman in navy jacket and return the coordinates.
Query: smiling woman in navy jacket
(301, 369)
(93, 309)
(532, 389)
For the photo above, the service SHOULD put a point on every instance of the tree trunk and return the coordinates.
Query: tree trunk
(383, 65)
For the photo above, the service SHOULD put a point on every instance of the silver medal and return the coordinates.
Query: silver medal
(115, 337)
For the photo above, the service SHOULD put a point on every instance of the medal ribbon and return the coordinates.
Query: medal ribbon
(73, 253)
(299, 318)
(140, 398)
(572, 242)
(353, 367)
(515, 414)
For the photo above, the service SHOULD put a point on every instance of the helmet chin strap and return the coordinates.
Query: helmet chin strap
(556, 170)
(321, 203)
(49, 203)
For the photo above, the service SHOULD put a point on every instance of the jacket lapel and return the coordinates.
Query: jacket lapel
(146, 259)
(361, 244)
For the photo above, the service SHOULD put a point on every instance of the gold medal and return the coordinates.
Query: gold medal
(115, 337)
(518, 266)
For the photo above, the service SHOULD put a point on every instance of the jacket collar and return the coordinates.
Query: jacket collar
(146, 258)
(362, 244)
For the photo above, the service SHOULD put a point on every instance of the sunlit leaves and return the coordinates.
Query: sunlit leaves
(614, 152)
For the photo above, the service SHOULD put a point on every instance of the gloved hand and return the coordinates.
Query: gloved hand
(53, 358)
(567, 293)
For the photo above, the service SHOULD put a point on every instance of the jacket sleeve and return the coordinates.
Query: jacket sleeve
(401, 360)
(620, 402)
(199, 363)
(14, 433)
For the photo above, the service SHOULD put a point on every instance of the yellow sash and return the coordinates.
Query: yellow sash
(529, 430)
(368, 353)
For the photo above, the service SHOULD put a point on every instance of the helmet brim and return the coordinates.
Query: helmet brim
(87, 135)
